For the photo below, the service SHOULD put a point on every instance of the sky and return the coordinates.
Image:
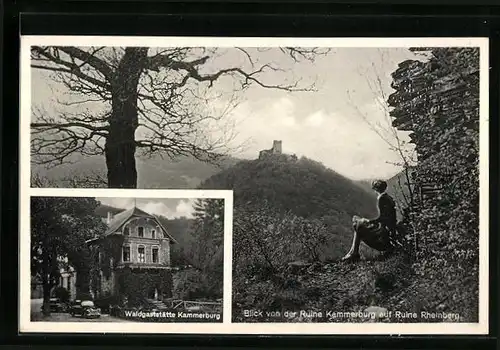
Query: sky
(168, 207)
(333, 124)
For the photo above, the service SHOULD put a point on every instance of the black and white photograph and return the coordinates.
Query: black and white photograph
(358, 173)
(126, 259)
(366, 208)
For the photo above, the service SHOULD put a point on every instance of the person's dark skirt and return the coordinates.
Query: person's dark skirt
(375, 235)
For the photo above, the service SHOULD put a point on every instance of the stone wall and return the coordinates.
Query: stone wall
(275, 150)
(437, 100)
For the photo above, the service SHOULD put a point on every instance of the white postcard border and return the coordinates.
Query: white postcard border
(197, 41)
(25, 324)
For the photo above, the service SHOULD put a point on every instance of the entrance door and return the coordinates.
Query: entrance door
(153, 293)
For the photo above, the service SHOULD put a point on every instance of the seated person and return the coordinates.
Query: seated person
(375, 233)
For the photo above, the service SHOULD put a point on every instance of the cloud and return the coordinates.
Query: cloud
(340, 139)
(185, 208)
(288, 121)
(157, 208)
(281, 113)
(316, 119)
(169, 207)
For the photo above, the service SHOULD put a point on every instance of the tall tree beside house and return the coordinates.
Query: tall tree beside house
(59, 228)
(206, 251)
(438, 101)
(208, 228)
(154, 100)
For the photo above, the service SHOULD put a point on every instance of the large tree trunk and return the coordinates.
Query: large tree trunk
(120, 143)
(47, 286)
(46, 273)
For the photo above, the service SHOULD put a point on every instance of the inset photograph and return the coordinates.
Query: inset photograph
(126, 259)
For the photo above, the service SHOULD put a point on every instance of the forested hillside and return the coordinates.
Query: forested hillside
(296, 197)
(305, 187)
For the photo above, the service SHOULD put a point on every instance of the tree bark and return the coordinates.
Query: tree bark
(46, 274)
(47, 286)
(120, 144)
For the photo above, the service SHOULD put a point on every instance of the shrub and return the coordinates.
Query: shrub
(62, 294)
(105, 303)
(192, 284)
(84, 296)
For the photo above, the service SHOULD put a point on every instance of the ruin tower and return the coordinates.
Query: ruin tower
(277, 147)
(276, 150)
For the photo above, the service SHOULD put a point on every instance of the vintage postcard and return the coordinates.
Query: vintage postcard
(258, 185)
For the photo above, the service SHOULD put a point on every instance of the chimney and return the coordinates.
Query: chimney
(110, 217)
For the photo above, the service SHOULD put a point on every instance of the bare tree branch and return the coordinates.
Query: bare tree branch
(52, 56)
(190, 67)
(387, 132)
(55, 140)
(164, 99)
(310, 54)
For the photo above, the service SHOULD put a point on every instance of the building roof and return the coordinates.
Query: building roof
(120, 219)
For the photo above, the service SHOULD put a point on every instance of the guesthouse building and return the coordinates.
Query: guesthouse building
(132, 258)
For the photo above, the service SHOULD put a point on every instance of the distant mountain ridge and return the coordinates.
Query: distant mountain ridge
(365, 184)
(154, 172)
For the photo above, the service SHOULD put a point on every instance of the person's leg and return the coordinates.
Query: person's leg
(376, 238)
(353, 253)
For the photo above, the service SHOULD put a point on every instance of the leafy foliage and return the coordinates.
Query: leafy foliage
(135, 286)
(200, 250)
(198, 256)
(192, 284)
(62, 294)
(286, 210)
(180, 229)
(206, 251)
(59, 228)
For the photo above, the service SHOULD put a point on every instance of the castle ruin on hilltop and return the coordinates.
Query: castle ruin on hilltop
(276, 152)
